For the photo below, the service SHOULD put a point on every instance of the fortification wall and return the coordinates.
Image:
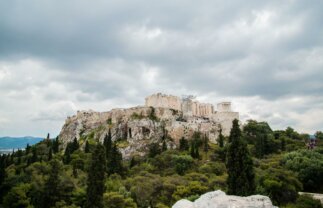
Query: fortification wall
(164, 101)
(225, 120)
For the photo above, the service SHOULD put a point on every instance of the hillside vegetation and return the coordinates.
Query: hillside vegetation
(277, 164)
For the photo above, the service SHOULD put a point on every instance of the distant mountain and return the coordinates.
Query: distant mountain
(9, 143)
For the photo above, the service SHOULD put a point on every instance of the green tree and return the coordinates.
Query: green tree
(309, 167)
(239, 164)
(164, 146)
(52, 192)
(154, 150)
(50, 154)
(183, 144)
(280, 185)
(2, 169)
(34, 156)
(182, 163)
(115, 163)
(17, 197)
(27, 150)
(56, 145)
(221, 139)
(206, 144)
(116, 200)
(107, 142)
(87, 147)
(75, 145)
(307, 201)
(319, 135)
(96, 178)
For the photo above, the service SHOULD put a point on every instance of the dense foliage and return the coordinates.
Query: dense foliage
(87, 174)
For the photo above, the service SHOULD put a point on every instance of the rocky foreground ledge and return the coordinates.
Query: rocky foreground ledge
(218, 199)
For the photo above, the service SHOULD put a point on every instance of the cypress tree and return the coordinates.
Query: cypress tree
(221, 139)
(56, 145)
(206, 144)
(87, 147)
(115, 163)
(67, 154)
(197, 154)
(154, 149)
(75, 145)
(132, 162)
(239, 164)
(107, 142)
(96, 177)
(164, 147)
(183, 144)
(192, 151)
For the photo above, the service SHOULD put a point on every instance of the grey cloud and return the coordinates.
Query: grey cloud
(109, 53)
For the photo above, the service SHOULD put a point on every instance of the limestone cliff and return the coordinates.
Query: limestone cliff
(136, 128)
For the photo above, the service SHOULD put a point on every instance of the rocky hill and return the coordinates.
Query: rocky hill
(136, 128)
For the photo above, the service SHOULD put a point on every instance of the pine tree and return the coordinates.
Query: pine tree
(221, 139)
(56, 145)
(96, 178)
(87, 147)
(52, 193)
(239, 164)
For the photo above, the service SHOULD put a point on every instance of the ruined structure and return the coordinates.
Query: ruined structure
(192, 108)
(164, 117)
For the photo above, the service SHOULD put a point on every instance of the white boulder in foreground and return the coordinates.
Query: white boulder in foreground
(218, 199)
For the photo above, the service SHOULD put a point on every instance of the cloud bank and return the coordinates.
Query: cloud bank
(57, 57)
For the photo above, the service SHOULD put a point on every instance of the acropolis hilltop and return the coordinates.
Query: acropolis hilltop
(193, 108)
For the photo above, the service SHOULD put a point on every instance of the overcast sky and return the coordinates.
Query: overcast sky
(57, 57)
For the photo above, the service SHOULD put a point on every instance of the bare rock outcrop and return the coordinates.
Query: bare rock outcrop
(136, 128)
(218, 199)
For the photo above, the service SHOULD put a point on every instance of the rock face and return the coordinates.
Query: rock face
(218, 199)
(136, 128)
(164, 118)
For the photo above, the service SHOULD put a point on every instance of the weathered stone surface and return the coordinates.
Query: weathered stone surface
(218, 199)
(136, 128)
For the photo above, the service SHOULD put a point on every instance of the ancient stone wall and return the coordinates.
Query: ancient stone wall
(224, 107)
(187, 106)
(164, 101)
(225, 120)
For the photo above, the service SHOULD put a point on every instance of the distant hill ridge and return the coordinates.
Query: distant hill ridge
(18, 142)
